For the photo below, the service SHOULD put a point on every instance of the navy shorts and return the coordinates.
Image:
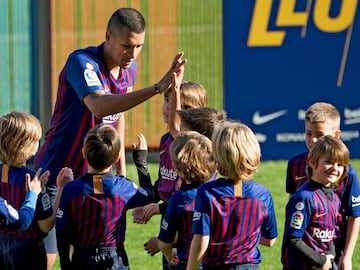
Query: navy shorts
(22, 254)
(97, 258)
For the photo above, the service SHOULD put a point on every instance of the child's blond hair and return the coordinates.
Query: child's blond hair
(322, 112)
(236, 150)
(191, 157)
(192, 95)
(20, 134)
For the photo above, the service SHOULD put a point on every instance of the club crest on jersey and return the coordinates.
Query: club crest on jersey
(45, 202)
(297, 219)
(91, 78)
(129, 89)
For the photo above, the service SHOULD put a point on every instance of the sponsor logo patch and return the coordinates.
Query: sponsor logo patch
(297, 219)
(91, 78)
(45, 202)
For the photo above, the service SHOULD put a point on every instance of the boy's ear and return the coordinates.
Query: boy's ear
(338, 134)
(82, 151)
(118, 158)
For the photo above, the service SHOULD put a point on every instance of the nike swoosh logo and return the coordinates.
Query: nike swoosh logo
(262, 119)
(297, 178)
(317, 215)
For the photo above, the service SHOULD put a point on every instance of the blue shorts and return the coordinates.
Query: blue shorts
(22, 254)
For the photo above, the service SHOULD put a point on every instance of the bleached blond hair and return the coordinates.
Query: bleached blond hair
(236, 150)
(20, 134)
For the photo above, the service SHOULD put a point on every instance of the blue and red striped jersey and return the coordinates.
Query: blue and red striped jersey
(83, 73)
(178, 219)
(12, 189)
(18, 220)
(168, 182)
(348, 189)
(234, 221)
(313, 217)
(92, 210)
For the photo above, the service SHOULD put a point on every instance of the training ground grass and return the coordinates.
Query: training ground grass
(270, 174)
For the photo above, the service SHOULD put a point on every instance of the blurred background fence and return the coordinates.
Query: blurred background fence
(37, 36)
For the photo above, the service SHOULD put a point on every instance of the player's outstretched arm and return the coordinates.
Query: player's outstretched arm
(101, 104)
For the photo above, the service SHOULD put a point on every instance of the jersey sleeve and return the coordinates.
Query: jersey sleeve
(351, 197)
(169, 222)
(269, 227)
(83, 74)
(298, 214)
(201, 217)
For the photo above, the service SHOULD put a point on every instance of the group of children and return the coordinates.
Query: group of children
(214, 216)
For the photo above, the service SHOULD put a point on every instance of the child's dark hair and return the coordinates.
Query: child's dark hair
(201, 120)
(101, 146)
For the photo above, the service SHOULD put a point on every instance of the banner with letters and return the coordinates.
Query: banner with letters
(280, 56)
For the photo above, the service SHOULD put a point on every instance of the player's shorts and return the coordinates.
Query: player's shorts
(97, 258)
(22, 254)
(248, 266)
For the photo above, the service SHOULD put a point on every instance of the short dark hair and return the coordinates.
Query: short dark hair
(129, 18)
(202, 120)
(102, 146)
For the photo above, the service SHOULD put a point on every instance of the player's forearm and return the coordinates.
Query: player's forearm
(198, 247)
(353, 225)
(117, 103)
(166, 249)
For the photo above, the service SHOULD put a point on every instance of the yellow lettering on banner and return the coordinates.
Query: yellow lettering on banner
(341, 22)
(259, 34)
(287, 16)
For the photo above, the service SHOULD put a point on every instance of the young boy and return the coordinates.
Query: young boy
(182, 96)
(324, 119)
(92, 212)
(21, 220)
(191, 157)
(312, 211)
(20, 134)
(232, 207)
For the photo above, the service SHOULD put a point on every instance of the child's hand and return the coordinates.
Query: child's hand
(142, 144)
(174, 258)
(64, 176)
(138, 215)
(150, 210)
(38, 182)
(152, 246)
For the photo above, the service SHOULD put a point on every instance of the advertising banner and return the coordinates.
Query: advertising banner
(281, 56)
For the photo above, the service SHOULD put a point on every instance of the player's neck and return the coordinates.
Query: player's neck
(103, 171)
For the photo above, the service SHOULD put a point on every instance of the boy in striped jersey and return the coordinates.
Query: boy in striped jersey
(20, 134)
(322, 119)
(191, 158)
(233, 214)
(312, 212)
(92, 211)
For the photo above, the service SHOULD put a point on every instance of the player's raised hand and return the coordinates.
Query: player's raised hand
(142, 144)
(177, 66)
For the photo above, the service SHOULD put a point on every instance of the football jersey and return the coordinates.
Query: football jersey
(83, 73)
